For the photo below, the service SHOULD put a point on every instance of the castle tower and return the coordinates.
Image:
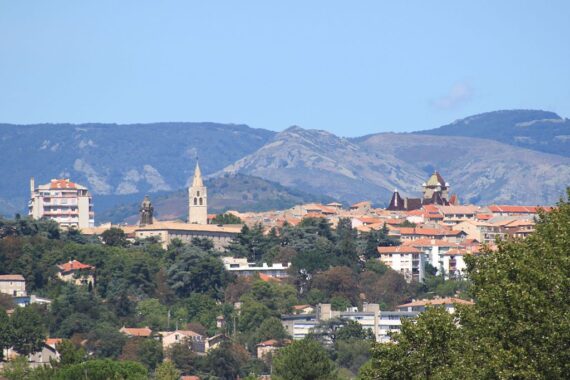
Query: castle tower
(197, 199)
(146, 212)
(435, 190)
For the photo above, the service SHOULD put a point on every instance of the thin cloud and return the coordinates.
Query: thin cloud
(458, 94)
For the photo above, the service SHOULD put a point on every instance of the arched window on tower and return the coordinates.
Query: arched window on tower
(195, 201)
(201, 202)
(198, 193)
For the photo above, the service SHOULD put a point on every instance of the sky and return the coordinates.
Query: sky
(349, 67)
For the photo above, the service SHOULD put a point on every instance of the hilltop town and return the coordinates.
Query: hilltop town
(241, 283)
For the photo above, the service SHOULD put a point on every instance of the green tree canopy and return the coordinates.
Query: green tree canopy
(303, 360)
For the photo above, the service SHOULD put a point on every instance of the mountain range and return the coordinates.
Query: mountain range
(512, 156)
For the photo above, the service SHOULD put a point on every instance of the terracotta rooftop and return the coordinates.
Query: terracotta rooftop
(398, 249)
(12, 277)
(74, 265)
(53, 341)
(62, 184)
(430, 243)
(517, 209)
(136, 331)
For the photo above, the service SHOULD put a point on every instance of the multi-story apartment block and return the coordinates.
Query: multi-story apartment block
(405, 259)
(381, 323)
(241, 267)
(68, 203)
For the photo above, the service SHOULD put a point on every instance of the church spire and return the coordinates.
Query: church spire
(197, 181)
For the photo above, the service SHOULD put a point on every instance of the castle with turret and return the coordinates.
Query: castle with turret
(435, 192)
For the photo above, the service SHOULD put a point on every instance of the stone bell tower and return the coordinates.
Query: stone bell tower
(198, 199)
(146, 212)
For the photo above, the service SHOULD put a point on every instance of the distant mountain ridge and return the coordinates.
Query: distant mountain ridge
(537, 130)
(116, 161)
(479, 170)
(514, 156)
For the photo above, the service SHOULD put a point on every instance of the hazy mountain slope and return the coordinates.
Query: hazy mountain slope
(482, 171)
(229, 192)
(117, 160)
(320, 162)
(537, 130)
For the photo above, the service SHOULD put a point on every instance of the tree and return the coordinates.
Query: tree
(378, 238)
(150, 353)
(422, 350)
(28, 330)
(152, 314)
(303, 360)
(353, 330)
(518, 326)
(114, 237)
(166, 371)
(182, 357)
(17, 369)
(69, 353)
(6, 333)
(271, 328)
(196, 272)
(226, 360)
(522, 309)
(105, 341)
(226, 218)
(338, 281)
(103, 369)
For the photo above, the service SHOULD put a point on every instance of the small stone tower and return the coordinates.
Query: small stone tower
(198, 199)
(146, 212)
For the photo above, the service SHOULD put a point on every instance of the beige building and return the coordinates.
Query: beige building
(66, 202)
(76, 273)
(166, 231)
(483, 232)
(13, 285)
(197, 199)
(221, 236)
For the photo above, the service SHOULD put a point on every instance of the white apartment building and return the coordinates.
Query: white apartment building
(68, 203)
(241, 267)
(381, 323)
(405, 259)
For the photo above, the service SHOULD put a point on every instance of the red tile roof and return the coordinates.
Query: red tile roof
(398, 249)
(74, 265)
(136, 331)
(430, 243)
(62, 184)
(517, 209)
(53, 341)
(266, 278)
(12, 277)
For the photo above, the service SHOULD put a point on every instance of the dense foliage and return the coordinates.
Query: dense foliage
(519, 327)
(138, 283)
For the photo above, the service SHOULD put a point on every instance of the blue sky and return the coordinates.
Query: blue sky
(349, 67)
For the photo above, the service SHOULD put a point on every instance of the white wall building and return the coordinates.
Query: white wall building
(241, 267)
(381, 323)
(405, 259)
(66, 202)
(13, 284)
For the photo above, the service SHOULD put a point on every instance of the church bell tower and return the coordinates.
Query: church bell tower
(198, 199)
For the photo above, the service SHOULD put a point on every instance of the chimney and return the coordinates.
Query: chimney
(32, 186)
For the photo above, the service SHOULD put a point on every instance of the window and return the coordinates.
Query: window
(195, 201)
(201, 202)
(198, 193)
